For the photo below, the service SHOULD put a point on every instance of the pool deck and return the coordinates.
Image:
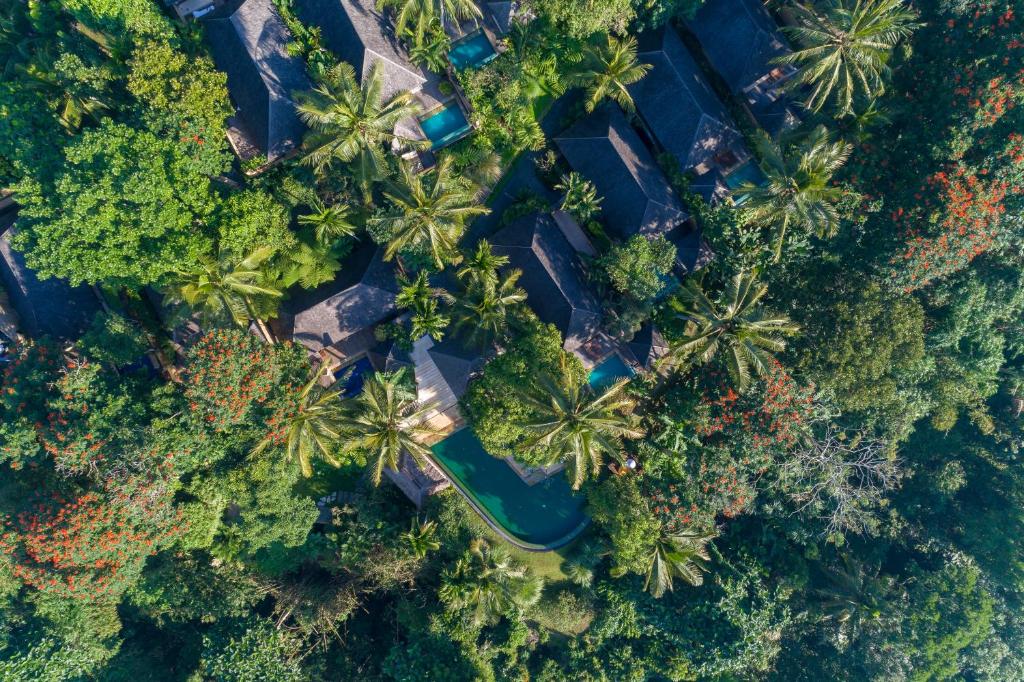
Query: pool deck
(431, 389)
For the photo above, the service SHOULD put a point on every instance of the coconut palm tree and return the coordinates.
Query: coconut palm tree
(581, 198)
(487, 583)
(410, 13)
(855, 597)
(577, 427)
(483, 310)
(428, 211)
(352, 124)
(328, 223)
(481, 268)
(314, 429)
(421, 537)
(677, 555)
(225, 289)
(385, 420)
(845, 48)
(736, 325)
(429, 44)
(797, 191)
(419, 296)
(607, 70)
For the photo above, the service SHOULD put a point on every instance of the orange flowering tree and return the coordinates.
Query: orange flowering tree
(90, 545)
(946, 179)
(234, 379)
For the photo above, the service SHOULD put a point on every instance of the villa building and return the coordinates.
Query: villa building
(356, 32)
(684, 116)
(249, 42)
(553, 276)
(336, 321)
(638, 199)
(741, 41)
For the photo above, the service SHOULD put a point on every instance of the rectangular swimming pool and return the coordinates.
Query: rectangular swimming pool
(747, 173)
(472, 50)
(446, 125)
(541, 516)
(354, 376)
(608, 372)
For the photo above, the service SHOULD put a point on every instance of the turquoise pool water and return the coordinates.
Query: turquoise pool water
(608, 372)
(545, 515)
(445, 126)
(748, 172)
(473, 50)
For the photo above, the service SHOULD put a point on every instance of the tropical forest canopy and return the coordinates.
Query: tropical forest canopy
(829, 481)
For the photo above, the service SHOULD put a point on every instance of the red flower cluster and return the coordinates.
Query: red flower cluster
(772, 415)
(91, 547)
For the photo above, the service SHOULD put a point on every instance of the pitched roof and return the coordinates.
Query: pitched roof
(553, 277)
(250, 46)
(361, 297)
(605, 149)
(739, 38)
(692, 250)
(50, 307)
(678, 105)
(359, 34)
(456, 363)
(648, 344)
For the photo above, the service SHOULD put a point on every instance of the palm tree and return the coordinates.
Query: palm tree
(429, 211)
(581, 198)
(430, 45)
(427, 320)
(488, 583)
(385, 420)
(797, 190)
(419, 296)
(352, 124)
(677, 555)
(224, 289)
(328, 223)
(855, 597)
(607, 70)
(481, 268)
(421, 537)
(314, 429)
(846, 49)
(736, 325)
(484, 309)
(410, 12)
(574, 426)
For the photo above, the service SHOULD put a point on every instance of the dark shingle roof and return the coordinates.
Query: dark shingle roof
(50, 307)
(250, 46)
(456, 363)
(361, 297)
(740, 39)
(607, 151)
(678, 105)
(692, 250)
(356, 32)
(648, 345)
(552, 276)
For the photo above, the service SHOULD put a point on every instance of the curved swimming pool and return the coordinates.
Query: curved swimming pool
(539, 517)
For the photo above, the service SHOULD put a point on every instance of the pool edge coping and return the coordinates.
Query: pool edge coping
(494, 524)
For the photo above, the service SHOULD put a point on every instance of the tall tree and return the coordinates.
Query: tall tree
(313, 428)
(845, 49)
(481, 267)
(237, 291)
(328, 223)
(677, 555)
(487, 583)
(607, 70)
(577, 427)
(736, 324)
(429, 212)
(385, 420)
(797, 191)
(410, 13)
(352, 124)
(484, 309)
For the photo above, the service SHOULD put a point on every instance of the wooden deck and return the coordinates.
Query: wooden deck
(432, 389)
